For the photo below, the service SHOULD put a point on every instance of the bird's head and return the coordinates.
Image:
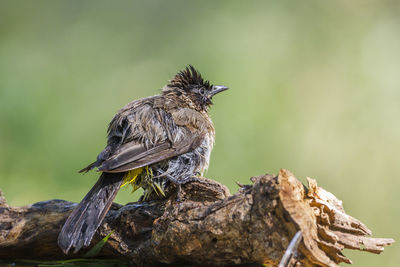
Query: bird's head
(188, 84)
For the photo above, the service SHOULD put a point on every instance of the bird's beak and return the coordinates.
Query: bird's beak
(217, 89)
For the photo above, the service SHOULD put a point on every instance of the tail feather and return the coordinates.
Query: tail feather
(84, 220)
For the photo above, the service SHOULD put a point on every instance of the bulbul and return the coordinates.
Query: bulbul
(153, 143)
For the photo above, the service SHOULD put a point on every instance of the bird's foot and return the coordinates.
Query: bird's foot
(190, 178)
(180, 181)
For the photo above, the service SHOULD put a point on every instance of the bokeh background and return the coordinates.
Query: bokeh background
(314, 89)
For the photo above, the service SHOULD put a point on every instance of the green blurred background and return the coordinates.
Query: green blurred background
(314, 89)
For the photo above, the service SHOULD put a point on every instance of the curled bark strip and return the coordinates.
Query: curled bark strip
(208, 226)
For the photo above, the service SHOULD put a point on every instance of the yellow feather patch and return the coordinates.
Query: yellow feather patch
(131, 177)
(137, 178)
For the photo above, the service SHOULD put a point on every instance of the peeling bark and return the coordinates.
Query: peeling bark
(208, 226)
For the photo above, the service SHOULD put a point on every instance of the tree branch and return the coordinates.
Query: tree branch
(208, 226)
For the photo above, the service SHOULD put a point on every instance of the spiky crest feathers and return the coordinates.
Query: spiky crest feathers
(189, 78)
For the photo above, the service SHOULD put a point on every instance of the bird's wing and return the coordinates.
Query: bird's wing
(132, 155)
(140, 135)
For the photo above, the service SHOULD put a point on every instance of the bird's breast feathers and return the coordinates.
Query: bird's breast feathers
(192, 119)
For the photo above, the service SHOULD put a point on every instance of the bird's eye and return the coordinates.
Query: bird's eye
(202, 91)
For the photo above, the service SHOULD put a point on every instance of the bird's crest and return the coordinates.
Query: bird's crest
(188, 78)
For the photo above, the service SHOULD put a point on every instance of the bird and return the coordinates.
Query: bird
(152, 143)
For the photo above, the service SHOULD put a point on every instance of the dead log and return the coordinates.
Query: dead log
(208, 226)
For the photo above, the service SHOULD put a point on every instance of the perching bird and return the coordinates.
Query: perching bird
(152, 142)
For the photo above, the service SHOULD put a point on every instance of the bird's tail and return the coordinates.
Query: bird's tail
(84, 220)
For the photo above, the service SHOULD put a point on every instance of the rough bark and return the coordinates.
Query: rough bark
(208, 226)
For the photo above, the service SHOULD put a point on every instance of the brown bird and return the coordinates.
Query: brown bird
(152, 143)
